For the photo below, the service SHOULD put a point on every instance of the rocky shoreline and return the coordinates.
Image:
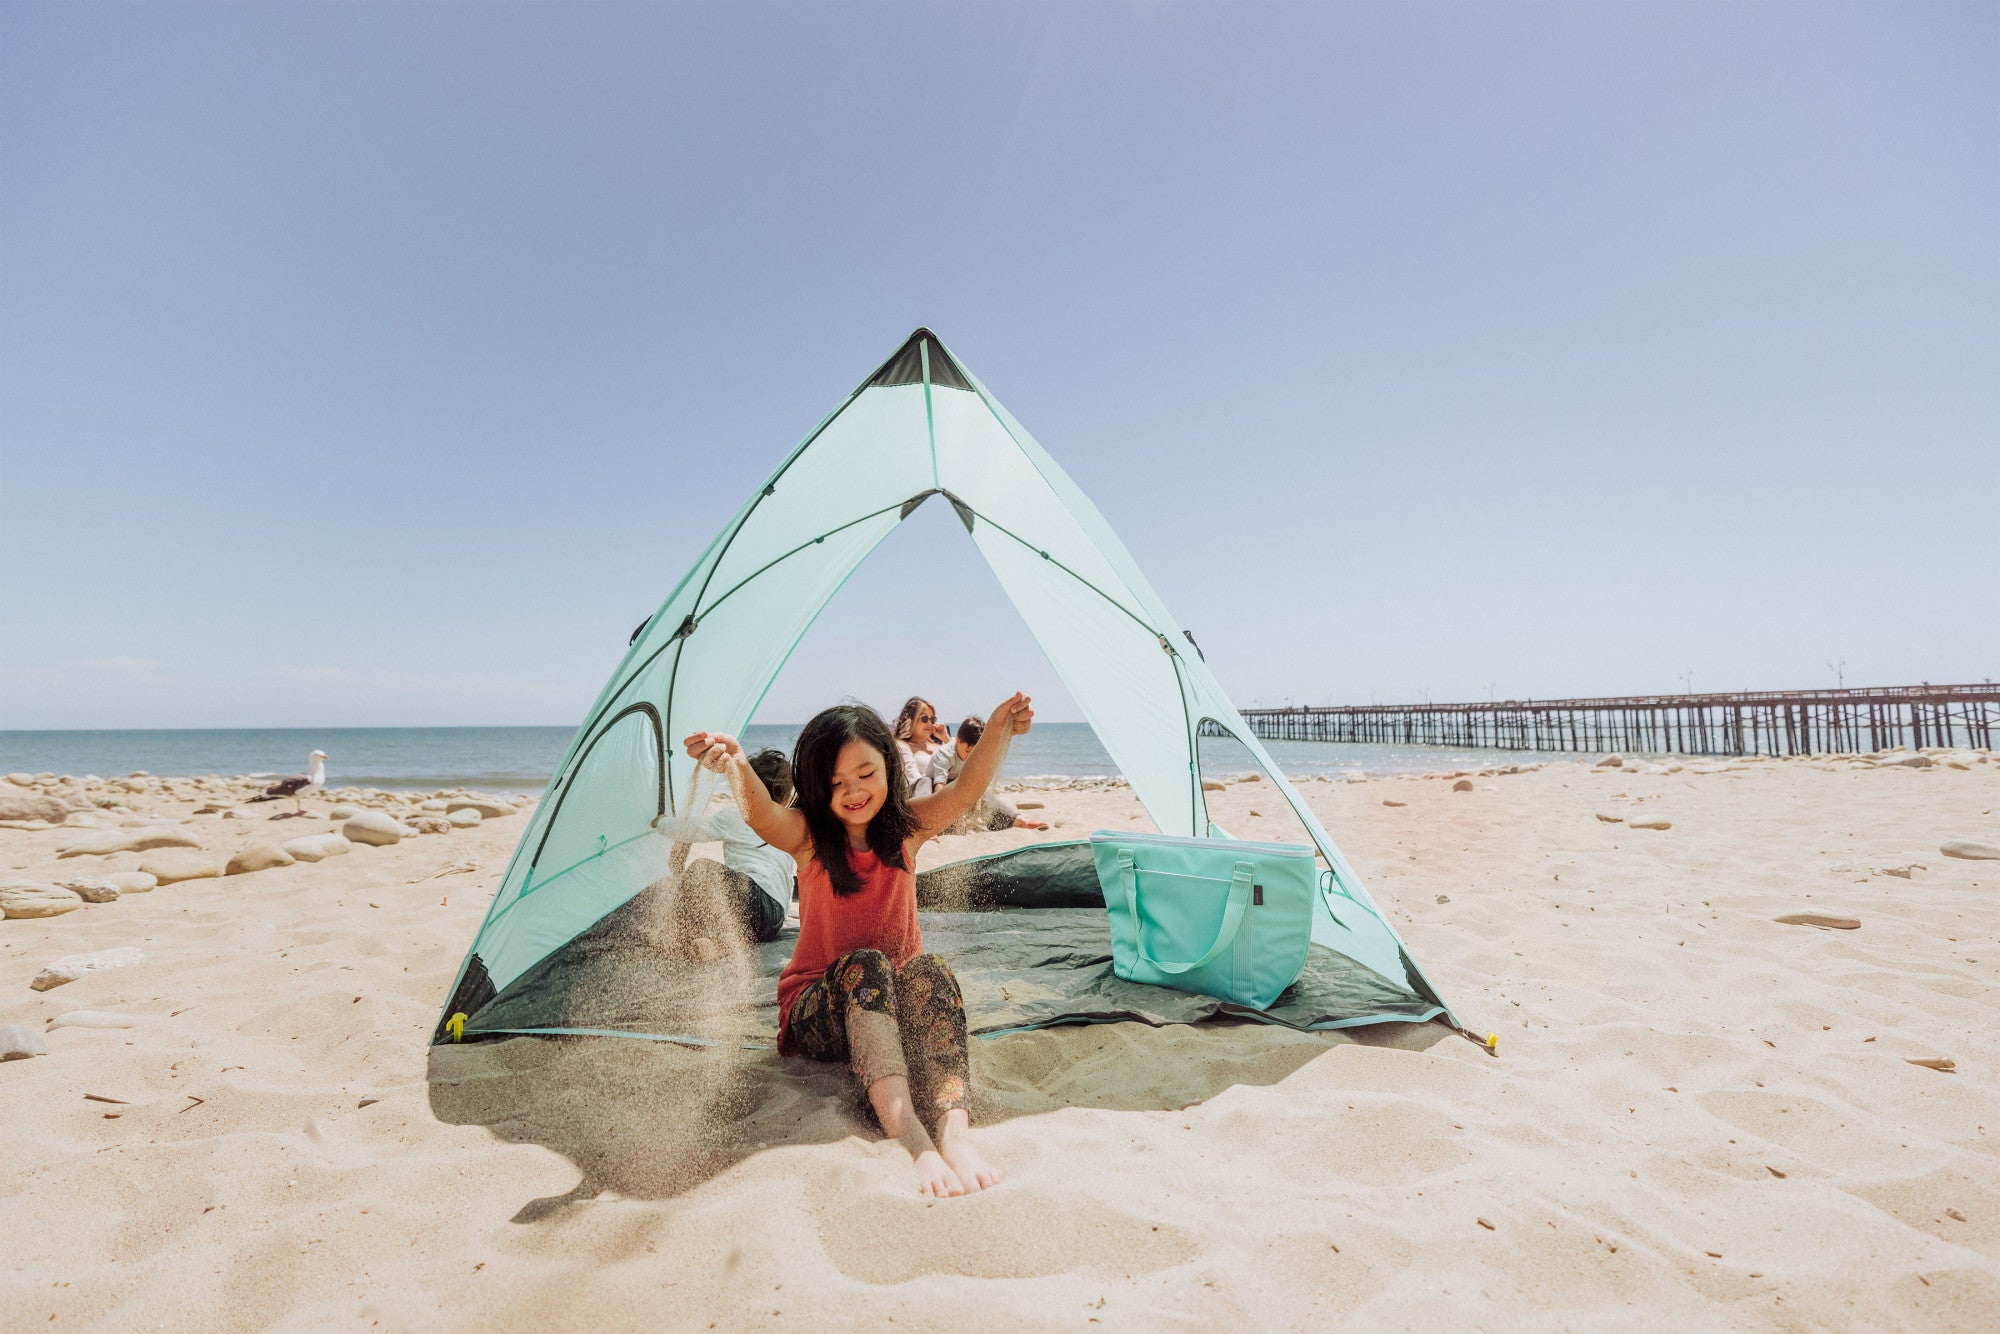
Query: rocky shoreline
(197, 828)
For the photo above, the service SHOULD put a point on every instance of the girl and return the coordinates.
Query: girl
(920, 744)
(859, 987)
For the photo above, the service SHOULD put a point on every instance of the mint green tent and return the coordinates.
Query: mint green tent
(921, 427)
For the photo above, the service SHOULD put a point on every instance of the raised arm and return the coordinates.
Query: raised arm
(780, 826)
(942, 809)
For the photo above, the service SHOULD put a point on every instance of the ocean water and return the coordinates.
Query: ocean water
(520, 759)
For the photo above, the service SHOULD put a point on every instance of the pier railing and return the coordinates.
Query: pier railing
(1770, 722)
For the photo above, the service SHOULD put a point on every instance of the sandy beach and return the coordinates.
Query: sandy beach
(1698, 1117)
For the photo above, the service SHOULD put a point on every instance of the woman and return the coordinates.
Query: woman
(921, 742)
(859, 987)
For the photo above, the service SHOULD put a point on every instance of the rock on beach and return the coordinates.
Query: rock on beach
(18, 1042)
(105, 843)
(376, 829)
(36, 901)
(66, 970)
(464, 817)
(91, 891)
(91, 1019)
(489, 808)
(258, 857)
(23, 807)
(176, 865)
(316, 847)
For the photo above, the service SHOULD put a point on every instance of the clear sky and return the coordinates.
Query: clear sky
(386, 364)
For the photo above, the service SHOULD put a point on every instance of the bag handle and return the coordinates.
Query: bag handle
(1225, 936)
(1326, 885)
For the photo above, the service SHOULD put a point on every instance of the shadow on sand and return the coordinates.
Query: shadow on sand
(649, 1120)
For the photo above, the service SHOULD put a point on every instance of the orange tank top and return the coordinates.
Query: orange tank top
(882, 916)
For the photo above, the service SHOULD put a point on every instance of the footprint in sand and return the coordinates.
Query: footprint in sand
(1018, 1230)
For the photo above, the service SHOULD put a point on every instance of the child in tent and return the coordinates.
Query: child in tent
(859, 987)
(719, 907)
(991, 813)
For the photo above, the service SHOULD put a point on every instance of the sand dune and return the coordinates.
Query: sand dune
(1698, 1117)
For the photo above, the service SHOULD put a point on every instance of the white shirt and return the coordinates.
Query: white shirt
(743, 851)
(925, 774)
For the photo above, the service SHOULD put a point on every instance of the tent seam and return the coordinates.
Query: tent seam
(930, 418)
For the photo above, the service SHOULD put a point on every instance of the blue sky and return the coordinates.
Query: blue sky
(386, 364)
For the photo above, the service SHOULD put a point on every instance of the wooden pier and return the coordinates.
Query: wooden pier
(1780, 722)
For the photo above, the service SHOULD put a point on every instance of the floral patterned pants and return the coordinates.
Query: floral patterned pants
(840, 1010)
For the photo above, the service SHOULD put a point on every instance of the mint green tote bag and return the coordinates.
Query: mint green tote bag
(1219, 916)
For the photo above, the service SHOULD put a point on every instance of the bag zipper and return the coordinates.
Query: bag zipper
(1276, 849)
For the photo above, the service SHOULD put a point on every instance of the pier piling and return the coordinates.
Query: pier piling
(1780, 722)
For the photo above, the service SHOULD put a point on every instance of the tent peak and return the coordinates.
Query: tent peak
(907, 365)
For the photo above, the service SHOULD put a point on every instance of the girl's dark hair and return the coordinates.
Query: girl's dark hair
(971, 730)
(776, 771)
(906, 721)
(814, 759)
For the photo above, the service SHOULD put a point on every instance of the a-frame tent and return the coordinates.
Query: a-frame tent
(920, 427)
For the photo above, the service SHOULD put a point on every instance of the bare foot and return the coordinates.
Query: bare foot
(935, 1177)
(955, 1143)
(890, 1096)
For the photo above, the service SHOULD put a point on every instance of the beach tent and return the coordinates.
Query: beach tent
(920, 430)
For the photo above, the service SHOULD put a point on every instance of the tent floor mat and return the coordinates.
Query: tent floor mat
(1018, 969)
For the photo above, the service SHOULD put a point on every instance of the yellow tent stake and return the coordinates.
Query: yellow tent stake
(456, 1026)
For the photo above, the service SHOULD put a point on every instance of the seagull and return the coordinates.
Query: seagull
(298, 784)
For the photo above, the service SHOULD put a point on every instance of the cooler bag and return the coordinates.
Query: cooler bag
(1223, 917)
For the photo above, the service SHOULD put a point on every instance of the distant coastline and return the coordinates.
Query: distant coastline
(521, 759)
